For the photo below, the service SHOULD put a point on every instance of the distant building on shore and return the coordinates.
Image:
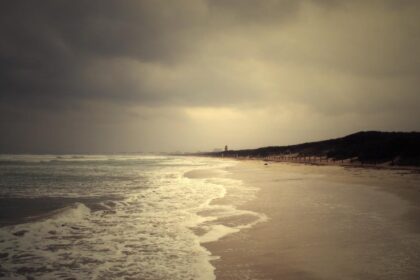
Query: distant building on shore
(226, 148)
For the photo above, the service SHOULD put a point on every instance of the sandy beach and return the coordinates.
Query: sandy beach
(324, 222)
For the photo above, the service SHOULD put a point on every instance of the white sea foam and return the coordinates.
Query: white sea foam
(154, 232)
(216, 232)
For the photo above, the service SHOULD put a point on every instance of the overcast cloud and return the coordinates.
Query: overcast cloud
(124, 76)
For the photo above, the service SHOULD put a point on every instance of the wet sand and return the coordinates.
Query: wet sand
(325, 222)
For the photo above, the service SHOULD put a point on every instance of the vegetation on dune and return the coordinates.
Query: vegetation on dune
(398, 148)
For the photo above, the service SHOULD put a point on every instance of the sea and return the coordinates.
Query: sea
(116, 216)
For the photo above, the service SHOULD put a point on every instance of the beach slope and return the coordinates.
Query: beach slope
(325, 222)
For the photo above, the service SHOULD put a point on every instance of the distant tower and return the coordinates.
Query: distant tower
(226, 148)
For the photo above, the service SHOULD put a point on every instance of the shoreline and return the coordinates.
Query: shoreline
(290, 245)
(343, 163)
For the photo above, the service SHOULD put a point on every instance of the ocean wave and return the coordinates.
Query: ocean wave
(154, 231)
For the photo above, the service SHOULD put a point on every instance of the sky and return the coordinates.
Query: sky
(104, 76)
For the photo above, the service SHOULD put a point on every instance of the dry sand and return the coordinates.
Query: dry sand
(325, 222)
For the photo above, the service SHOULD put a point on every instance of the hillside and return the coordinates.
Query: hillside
(399, 148)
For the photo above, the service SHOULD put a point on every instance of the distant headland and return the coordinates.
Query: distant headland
(364, 148)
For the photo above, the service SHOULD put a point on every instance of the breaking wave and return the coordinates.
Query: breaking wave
(154, 231)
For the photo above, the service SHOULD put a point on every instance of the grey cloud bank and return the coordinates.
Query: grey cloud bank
(114, 76)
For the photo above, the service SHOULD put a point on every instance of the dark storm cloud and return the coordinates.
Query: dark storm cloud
(45, 46)
(109, 63)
